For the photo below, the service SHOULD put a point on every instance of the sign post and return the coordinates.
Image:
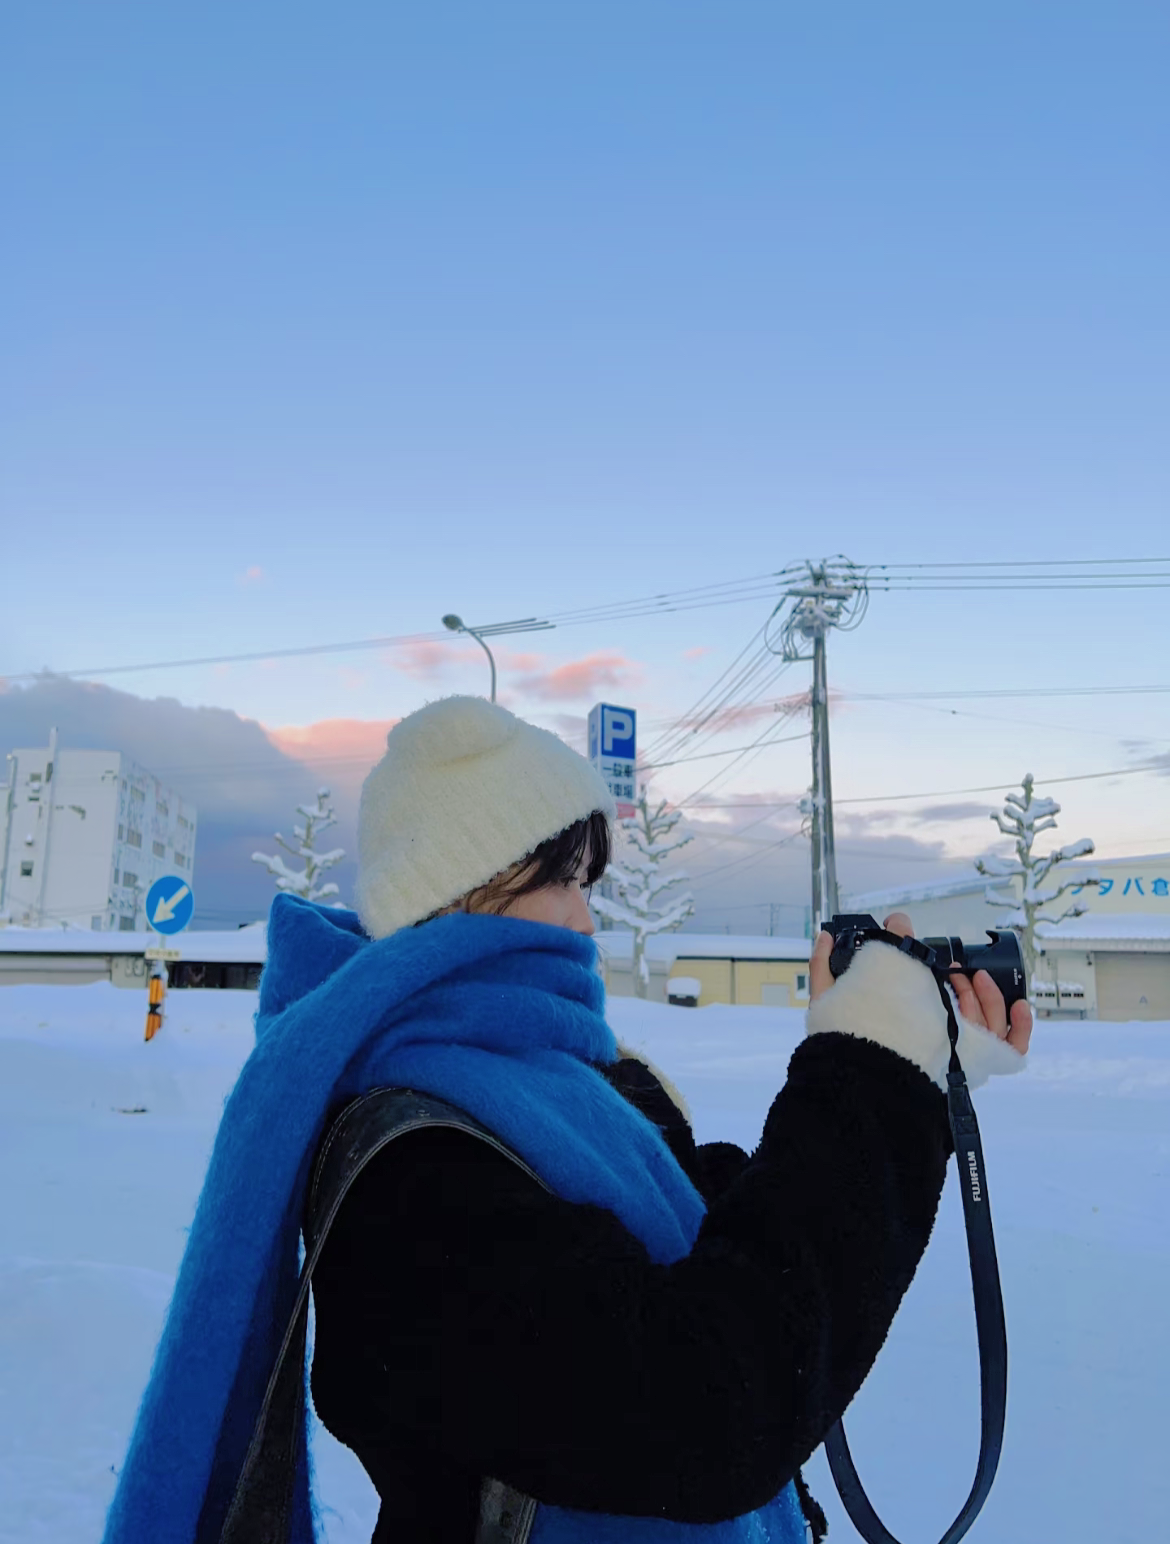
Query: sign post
(613, 751)
(170, 905)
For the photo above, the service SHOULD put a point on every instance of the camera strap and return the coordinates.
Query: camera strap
(989, 1320)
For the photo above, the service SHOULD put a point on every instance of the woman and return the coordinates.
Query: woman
(647, 1337)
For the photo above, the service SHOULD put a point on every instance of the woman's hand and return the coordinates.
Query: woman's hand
(980, 1000)
(821, 978)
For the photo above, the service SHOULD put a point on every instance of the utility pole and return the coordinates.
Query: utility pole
(824, 866)
(834, 595)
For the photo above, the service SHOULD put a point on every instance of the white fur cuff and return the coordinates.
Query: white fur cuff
(887, 997)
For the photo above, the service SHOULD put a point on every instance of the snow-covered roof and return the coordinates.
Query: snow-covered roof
(244, 946)
(1113, 931)
(618, 944)
(972, 883)
(899, 895)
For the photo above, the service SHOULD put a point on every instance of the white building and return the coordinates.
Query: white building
(84, 835)
(1111, 963)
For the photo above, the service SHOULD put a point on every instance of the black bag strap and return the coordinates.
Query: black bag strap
(989, 1320)
(262, 1503)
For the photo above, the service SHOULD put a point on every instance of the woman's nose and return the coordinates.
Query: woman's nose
(581, 918)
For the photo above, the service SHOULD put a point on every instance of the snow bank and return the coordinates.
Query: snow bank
(103, 1142)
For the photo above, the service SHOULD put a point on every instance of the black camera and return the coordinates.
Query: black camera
(1001, 958)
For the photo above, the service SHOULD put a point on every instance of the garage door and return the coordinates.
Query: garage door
(1133, 986)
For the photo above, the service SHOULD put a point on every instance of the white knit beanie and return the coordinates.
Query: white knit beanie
(464, 790)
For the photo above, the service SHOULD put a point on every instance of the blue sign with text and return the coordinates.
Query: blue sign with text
(170, 904)
(612, 732)
(613, 751)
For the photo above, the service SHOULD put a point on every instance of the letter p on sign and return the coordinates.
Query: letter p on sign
(617, 732)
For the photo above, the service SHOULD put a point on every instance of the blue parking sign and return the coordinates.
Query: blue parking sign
(613, 751)
(170, 904)
(612, 732)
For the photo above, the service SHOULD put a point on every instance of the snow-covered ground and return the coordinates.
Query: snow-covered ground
(103, 1141)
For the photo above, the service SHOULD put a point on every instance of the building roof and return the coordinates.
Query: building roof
(243, 946)
(1111, 932)
(618, 945)
(972, 883)
(901, 895)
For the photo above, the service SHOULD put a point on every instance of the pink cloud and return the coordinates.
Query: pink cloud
(253, 575)
(335, 752)
(513, 660)
(697, 652)
(427, 661)
(754, 713)
(340, 738)
(579, 677)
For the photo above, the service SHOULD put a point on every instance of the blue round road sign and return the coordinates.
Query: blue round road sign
(170, 905)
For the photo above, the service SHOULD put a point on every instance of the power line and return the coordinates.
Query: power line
(939, 793)
(744, 750)
(653, 766)
(1031, 562)
(751, 857)
(998, 718)
(1003, 691)
(1002, 575)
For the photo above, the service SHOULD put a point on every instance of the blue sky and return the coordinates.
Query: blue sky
(319, 324)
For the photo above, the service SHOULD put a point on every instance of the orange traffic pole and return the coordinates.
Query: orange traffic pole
(156, 991)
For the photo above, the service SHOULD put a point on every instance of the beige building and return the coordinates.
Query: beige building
(768, 972)
(1111, 963)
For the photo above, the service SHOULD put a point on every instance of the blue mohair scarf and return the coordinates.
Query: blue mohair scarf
(498, 1016)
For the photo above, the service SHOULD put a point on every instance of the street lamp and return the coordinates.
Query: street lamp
(456, 624)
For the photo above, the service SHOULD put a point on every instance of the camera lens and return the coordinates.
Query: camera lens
(1001, 959)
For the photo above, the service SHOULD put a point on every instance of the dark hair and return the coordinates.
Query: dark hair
(555, 862)
(559, 860)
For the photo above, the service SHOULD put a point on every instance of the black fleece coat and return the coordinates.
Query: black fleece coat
(469, 1323)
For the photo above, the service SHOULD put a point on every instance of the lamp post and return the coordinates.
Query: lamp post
(456, 624)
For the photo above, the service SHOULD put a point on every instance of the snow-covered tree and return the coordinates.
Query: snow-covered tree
(637, 879)
(1022, 818)
(306, 882)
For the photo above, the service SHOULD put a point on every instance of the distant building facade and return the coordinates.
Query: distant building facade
(760, 971)
(84, 835)
(1111, 963)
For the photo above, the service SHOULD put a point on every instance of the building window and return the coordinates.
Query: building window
(184, 822)
(26, 868)
(125, 924)
(117, 881)
(159, 849)
(121, 833)
(95, 924)
(133, 838)
(180, 860)
(801, 984)
(130, 880)
(162, 807)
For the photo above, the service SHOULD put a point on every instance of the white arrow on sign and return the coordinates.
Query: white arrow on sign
(165, 910)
